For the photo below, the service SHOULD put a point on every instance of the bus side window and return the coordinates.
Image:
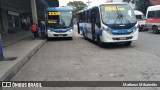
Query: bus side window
(87, 16)
(82, 18)
(92, 17)
(158, 14)
(78, 18)
(97, 17)
(151, 14)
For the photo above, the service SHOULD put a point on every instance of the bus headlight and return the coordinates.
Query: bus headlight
(49, 30)
(108, 31)
(70, 30)
(136, 29)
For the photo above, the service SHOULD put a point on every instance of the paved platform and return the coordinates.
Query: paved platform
(22, 51)
(18, 48)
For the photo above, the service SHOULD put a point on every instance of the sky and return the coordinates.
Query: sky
(94, 2)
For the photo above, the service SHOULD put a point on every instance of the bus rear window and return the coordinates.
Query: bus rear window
(140, 17)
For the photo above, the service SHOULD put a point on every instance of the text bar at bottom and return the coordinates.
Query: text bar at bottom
(80, 84)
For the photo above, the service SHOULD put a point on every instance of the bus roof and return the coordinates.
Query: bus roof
(113, 3)
(153, 8)
(138, 12)
(110, 3)
(61, 9)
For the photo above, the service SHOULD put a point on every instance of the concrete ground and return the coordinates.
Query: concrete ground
(18, 48)
(22, 51)
(82, 60)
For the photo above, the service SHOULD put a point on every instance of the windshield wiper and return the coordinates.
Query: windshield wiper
(120, 17)
(126, 20)
(117, 16)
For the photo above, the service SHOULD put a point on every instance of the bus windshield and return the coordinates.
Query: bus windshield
(117, 14)
(60, 19)
(140, 17)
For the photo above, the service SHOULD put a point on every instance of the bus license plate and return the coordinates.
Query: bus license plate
(122, 38)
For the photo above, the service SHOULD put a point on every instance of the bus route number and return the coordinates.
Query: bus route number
(53, 13)
(113, 8)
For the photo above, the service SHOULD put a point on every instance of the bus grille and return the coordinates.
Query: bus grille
(121, 33)
(126, 38)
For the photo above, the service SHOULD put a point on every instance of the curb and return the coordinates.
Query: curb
(22, 61)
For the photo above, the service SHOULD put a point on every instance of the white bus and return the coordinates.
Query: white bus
(109, 23)
(153, 18)
(141, 20)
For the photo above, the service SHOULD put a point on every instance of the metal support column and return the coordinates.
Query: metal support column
(34, 11)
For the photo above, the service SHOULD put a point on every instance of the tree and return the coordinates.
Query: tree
(142, 5)
(77, 6)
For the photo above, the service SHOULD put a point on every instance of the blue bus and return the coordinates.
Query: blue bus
(59, 22)
(108, 23)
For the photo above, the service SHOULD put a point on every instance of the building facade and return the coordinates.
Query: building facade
(154, 2)
(18, 13)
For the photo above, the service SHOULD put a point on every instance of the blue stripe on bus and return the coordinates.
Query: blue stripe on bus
(122, 31)
(97, 31)
(59, 30)
(81, 28)
(89, 30)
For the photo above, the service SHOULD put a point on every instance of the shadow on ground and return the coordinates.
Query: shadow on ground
(59, 39)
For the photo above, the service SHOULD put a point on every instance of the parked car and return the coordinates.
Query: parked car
(153, 18)
(141, 20)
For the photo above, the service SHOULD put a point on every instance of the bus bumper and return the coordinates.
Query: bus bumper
(108, 38)
(64, 34)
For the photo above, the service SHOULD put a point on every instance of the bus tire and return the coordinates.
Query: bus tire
(155, 29)
(140, 29)
(71, 38)
(145, 29)
(128, 43)
(100, 43)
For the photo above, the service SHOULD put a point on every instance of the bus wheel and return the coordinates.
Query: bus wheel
(128, 43)
(100, 43)
(71, 38)
(155, 29)
(145, 29)
(140, 29)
